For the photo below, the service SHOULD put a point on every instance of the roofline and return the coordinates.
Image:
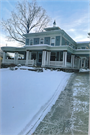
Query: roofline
(51, 32)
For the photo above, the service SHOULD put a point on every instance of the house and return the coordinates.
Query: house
(52, 47)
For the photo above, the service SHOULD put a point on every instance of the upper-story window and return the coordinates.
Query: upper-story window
(83, 47)
(47, 40)
(41, 41)
(52, 41)
(64, 41)
(31, 42)
(27, 41)
(57, 43)
(36, 41)
(87, 47)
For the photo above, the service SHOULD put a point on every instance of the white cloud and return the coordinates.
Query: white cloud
(76, 26)
(4, 42)
(72, 30)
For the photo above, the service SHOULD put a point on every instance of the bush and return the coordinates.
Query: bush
(4, 65)
(12, 65)
(7, 65)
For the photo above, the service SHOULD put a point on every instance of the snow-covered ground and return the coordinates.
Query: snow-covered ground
(26, 97)
(84, 70)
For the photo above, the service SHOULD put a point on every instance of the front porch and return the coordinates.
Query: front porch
(44, 58)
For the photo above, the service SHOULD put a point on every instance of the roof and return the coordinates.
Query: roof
(51, 28)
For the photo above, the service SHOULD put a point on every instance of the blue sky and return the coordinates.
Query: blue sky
(71, 15)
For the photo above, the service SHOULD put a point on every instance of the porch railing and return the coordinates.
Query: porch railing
(56, 63)
(31, 62)
(21, 62)
(9, 61)
(68, 64)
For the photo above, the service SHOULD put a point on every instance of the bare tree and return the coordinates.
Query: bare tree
(27, 17)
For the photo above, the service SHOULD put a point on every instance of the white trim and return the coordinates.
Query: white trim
(27, 55)
(4, 54)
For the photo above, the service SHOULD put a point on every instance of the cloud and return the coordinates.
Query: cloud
(72, 30)
(5, 42)
(76, 26)
(66, 0)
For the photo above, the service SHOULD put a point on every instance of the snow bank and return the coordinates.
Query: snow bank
(84, 70)
(26, 97)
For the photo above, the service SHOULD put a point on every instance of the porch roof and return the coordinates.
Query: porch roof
(12, 49)
(48, 48)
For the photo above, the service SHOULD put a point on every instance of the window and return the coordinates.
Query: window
(47, 40)
(33, 56)
(27, 41)
(64, 41)
(53, 56)
(57, 41)
(87, 47)
(40, 57)
(41, 41)
(36, 41)
(61, 55)
(68, 57)
(83, 47)
(52, 41)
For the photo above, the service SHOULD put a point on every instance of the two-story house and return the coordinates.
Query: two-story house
(52, 47)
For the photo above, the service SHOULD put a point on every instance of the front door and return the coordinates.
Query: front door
(39, 63)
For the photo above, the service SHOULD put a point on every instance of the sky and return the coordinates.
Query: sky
(70, 15)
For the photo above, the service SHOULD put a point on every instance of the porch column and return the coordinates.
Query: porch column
(43, 58)
(60, 40)
(27, 55)
(72, 60)
(48, 58)
(64, 58)
(16, 58)
(30, 55)
(78, 63)
(4, 55)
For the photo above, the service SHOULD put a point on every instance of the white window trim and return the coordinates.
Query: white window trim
(32, 41)
(41, 40)
(51, 40)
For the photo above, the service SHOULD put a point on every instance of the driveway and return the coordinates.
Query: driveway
(69, 115)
